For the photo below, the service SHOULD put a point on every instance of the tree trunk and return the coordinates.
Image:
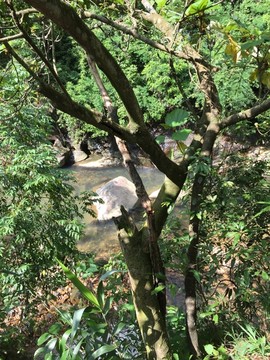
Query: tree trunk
(135, 247)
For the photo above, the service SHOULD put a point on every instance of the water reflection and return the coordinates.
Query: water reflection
(101, 236)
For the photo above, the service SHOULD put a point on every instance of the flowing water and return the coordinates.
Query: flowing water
(101, 236)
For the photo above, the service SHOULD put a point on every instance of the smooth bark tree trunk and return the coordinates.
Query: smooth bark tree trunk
(151, 320)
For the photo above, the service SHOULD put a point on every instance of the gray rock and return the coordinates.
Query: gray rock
(63, 154)
(79, 155)
(117, 192)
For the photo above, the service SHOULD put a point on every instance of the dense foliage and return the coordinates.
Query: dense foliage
(40, 214)
(182, 67)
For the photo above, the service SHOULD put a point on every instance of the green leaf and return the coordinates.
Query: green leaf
(55, 328)
(196, 7)
(209, 349)
(76, 322)
(160, 3)
(158, 289)
(109, 273)
(63, 340)
(119, 327)
(160, 139)
(76, 350)
(39, 352)
(108, 305)
(43, 338)
(51, 345)
(181, 135)
(196, 275)
(176, 117)
(215, 319)
(100, 294)
(265, 276)
(88, 295)
(105, 349)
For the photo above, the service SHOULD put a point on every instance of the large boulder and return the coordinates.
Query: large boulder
(63, 154)
(79, 155)
(117, 192)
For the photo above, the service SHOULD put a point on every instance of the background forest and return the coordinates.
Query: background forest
(186, 85)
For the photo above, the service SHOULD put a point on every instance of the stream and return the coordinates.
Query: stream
(100, 237)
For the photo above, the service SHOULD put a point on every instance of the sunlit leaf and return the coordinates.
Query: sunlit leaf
(197, 6)
(176, 117)
(181, 146)
(160, 3)
(109, 273)
(265, 276)
(80, 286)
(105, 349)
(76, 322)
(158, 289)
(181, 135)
(209, 349)
(233, 49)
(43, 338)
(215, 319)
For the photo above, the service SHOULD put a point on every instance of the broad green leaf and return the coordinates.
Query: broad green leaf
(209, 349)
(250, 44)
(38, 352)
(51, 345)
(265, 276)
(160, 139)
(55, 328)
(181, 135)
(48, 356)
(160, 3)
(176, 117)
(197, 6)
(105, 349)
(43, 338)
(88, 295)
(215, 319)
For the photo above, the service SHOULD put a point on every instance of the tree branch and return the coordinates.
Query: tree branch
(157, 264)
(74, 25)
(134, 33)
(246, 114)
(36, 49)
(11, 37)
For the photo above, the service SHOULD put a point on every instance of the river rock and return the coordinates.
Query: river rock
(63, 154)
(79, 155)
(117, 192)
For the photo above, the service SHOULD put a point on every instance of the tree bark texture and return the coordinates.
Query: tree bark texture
(134, 245)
